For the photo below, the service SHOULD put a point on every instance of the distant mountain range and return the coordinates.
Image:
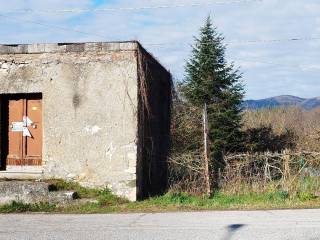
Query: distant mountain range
(283, 101)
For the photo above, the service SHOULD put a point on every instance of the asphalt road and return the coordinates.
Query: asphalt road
(288, 224)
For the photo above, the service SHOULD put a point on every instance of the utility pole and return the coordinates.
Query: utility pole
(206, 150)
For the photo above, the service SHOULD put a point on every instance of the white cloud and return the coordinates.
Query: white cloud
(311, 67)
(266, 67)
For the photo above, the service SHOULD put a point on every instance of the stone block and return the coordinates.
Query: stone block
(23, 191)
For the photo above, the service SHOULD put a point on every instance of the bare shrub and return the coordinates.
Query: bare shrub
(304, 124)
(186, 159)
(186, 128)
(262, 172)
(186, 173)
(280, 146)
(263, 138)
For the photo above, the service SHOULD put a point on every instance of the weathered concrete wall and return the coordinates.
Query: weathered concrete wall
(90, 104)
(155, 86)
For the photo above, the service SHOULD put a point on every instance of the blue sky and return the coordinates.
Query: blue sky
(269, 68)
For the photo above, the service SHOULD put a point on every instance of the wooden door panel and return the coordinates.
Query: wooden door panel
(24, 149)
(15, 138)
(34, 143)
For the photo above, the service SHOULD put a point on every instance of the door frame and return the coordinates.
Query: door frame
(4, 123)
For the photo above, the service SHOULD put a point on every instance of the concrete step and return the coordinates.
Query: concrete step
(32, 192)
(17, 174)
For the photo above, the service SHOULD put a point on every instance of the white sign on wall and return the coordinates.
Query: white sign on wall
(17, 127)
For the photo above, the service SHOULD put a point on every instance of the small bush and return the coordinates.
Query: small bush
(263, 139)
(283, 195)
(306, 196)
(107, 198)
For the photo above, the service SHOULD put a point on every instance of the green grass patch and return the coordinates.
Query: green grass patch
(103, 201)
(223, 201)
(60, 185)
(220, 201)
(18, 207)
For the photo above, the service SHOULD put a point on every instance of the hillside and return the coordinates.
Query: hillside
(283, 101)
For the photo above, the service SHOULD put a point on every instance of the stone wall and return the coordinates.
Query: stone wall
(155, 85)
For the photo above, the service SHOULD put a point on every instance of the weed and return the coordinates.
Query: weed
(306, 196)
(23, 207)
(106, 198)
(103, 201)
(59, 184)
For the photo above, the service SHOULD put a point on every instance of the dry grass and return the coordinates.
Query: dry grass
(305, 124)
(295, 173)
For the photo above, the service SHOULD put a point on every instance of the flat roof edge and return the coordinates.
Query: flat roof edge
(68, 47)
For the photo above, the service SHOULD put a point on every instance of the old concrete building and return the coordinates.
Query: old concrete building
(94, 113)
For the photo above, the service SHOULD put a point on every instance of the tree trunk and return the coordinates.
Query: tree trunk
(206, 150)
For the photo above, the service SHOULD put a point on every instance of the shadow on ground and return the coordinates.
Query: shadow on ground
(231, 230)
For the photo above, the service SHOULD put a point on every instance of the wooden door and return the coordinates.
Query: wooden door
(15, 138)
(24, 132)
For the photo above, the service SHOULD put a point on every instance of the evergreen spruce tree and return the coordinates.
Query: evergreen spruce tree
(211, 80)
